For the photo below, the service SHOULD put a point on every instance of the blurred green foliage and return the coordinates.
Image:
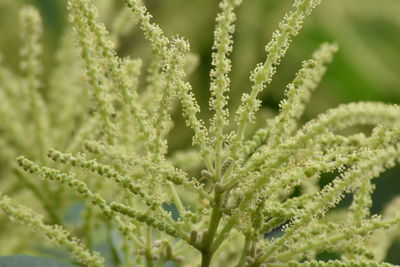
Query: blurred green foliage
(367, 66)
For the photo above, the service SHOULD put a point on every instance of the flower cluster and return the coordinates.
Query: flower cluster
(257, 199)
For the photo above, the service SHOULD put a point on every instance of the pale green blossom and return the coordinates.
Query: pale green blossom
(229, 190)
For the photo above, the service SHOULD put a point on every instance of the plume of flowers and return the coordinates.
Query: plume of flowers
(102, 138)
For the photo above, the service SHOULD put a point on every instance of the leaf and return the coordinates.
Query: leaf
(73, 215)
(31, 261)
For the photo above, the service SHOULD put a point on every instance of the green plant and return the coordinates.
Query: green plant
(248, 184)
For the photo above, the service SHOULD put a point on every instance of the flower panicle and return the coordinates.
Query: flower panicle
(54, 233)
(31, 68)
(220, 81)
(102, 170)
(222, 199)
(84, 15)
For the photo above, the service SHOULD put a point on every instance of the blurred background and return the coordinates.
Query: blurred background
(367, 67)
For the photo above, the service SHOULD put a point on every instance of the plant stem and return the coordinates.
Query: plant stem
(149, 258)
(234, 151)
(221, 236)
(206, 252)
(245, 251)
(205, 259)
(178, 203)
(231, 222)
(87, 225)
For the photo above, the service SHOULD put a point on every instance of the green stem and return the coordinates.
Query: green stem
(114, 250)
(149, 257)
(206, 251)
(218, 156)
(205, 259)
(126, 249)
(208, 163)
(178, 203)
(221, 236)
(235, 151)
(87, 225)
(245, 251)
(232, 221)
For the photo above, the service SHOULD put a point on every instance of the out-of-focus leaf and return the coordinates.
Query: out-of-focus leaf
(31, 261)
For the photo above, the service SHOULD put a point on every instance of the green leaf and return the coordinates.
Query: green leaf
(31, 261)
